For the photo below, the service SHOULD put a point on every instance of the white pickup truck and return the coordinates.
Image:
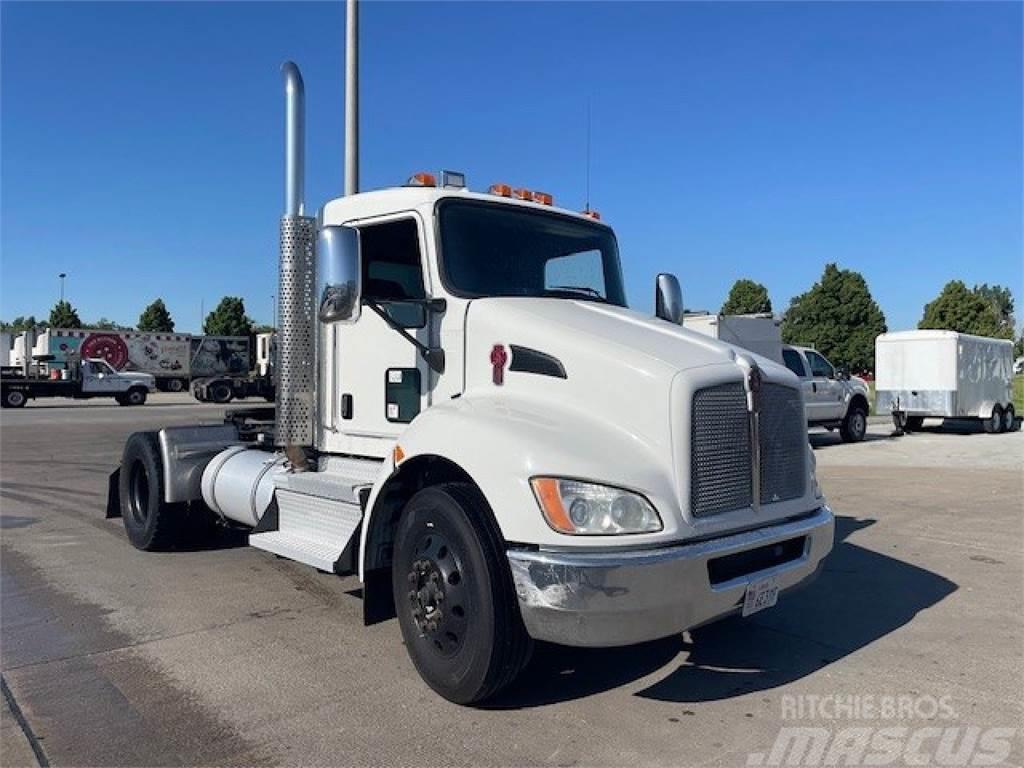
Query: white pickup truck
(471, 419)
(82, 380)
(833, 399)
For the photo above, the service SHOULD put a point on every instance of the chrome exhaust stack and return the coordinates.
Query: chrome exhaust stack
(296, 368)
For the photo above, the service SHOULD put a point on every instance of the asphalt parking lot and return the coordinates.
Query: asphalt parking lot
(227, 655)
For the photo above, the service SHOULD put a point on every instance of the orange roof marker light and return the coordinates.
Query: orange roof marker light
(543, 198)
(591, 214)
(522, 194)
(422, 180)
(503, 190)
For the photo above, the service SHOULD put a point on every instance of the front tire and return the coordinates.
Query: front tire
(855, 425)
(455, 600)
(150, 522)
(994, 423)
(914, 423)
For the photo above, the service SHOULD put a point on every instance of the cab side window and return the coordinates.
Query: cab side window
(820, 366)
(794, 362)
(393, 270)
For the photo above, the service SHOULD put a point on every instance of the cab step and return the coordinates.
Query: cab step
(318, 513)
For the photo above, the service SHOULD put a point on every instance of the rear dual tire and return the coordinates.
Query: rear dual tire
(14, 398)
(1000, 420)
(454, 596)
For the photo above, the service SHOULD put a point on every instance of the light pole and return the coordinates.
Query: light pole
(273, 310)
(62, 275)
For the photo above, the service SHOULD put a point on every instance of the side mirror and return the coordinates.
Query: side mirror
(338, 274)
(668, 298)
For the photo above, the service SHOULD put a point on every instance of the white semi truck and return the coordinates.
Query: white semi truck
(470, 418)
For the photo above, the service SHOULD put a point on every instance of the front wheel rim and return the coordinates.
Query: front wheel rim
(437, 597)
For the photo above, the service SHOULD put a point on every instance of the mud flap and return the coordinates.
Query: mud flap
(114, 494)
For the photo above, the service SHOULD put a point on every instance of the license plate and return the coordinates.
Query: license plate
(760, 595)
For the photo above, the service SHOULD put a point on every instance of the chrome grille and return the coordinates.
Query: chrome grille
(720, 451)
(782, 437)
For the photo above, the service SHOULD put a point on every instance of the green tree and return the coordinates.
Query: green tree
(155, 318)
(839, 317)
(63, 315)
(1018, 346)
(747, 298)
(263, 329)
(1001, 299)
(21, 323)
(958, 308)
(228, 319)
(103, 324)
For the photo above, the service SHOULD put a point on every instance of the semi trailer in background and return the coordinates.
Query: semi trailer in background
(945, 375)
(173, 359)
(760, 333)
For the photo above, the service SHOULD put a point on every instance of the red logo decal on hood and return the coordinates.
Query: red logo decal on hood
(498, 359)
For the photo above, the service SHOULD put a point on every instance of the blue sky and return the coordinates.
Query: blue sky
(141, 143)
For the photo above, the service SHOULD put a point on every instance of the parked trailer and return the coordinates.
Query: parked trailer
(760, 333)
(165, 356)
(944, 374)
(505, 454)
(219, 356)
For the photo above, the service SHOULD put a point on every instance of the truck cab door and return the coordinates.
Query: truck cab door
(373, 380)
(827, 389)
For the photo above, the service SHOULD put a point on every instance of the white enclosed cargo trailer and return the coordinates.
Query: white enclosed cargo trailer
(944, 374)
(761, 333)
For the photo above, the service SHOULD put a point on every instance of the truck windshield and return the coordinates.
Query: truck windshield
(496, 250)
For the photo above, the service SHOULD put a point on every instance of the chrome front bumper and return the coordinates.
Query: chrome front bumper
(619, 598)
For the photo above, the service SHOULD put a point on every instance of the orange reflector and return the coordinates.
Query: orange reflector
(422, 180)
(592, 214)
(546, 489)
(501, 189)
(398, 454)
(543, 198)
(522, 194)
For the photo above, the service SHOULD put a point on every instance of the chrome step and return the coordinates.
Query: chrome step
(312, 529)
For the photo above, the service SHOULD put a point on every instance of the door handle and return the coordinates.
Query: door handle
(814, 386)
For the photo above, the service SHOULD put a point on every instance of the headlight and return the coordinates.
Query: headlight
(576, 507)
(814, 473)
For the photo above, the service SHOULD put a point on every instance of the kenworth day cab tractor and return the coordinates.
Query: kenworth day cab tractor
(470, 418)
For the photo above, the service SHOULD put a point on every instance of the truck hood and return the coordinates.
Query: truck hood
(612, 391)
(622, 338)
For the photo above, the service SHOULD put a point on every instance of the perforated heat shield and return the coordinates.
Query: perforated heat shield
(296, 348)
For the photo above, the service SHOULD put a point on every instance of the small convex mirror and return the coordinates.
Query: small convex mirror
(668, 298)
(338, 274)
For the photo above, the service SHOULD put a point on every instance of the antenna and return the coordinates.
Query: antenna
(587, 206)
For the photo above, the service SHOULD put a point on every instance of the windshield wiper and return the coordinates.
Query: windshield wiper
(585, 289)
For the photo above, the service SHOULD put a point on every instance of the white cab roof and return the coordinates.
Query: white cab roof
(393, 200)
(931, 335)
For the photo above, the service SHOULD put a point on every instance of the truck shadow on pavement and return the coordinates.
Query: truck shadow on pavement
(860, 597)
(833, 439)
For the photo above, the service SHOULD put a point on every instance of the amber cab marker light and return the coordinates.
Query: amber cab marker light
(543, 198)
(522, 194)
(422, 180)
(546, 489)
(502, 190)
(592, 214)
